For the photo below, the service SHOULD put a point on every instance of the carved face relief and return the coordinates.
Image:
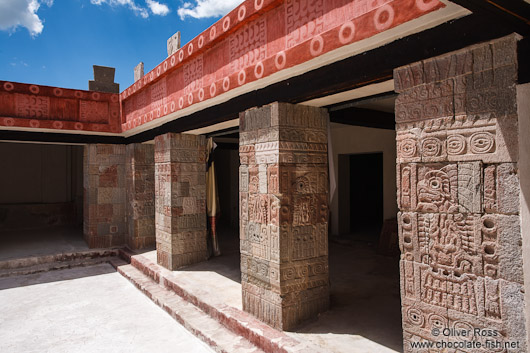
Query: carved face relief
(434, 192)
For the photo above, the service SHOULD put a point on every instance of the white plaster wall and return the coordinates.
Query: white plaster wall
(523, 109)
(348, 139)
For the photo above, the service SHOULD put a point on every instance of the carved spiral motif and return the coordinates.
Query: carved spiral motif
(461, 326)
(226, 24)
(384, 17)
(241, 77)
(347, 32)
(481, 142)
(407, 148)
(437, 321)
(431, 147)
(456, 145)
(426, 5)
(8, 86)
(258, 70)
(317, 46)
(241, 13)
(416, 317)
(226, 84)
(280, 60)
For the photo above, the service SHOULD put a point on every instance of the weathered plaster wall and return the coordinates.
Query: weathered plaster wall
(355, 139)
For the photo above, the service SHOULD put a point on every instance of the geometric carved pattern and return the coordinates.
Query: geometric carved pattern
(303, 19)
(104, 201)
(180, 199)
(458, 192)
(260, 39)
(249, 45)
(284, 213)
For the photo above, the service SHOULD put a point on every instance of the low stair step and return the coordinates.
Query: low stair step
(217, 336)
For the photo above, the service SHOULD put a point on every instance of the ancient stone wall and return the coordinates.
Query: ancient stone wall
(284, 213)
(140, 172)
(180, 194)
(458, 195)
(104, 200)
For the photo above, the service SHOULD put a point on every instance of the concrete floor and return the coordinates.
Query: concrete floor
(47, 241)
(365, 309)
(89, 309)
(365, 313)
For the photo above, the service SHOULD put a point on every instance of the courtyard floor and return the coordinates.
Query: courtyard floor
(96, 309)
(85, 309)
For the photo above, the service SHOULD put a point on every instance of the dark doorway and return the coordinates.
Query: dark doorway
(366, 195)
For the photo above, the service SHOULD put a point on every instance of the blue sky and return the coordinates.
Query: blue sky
(55, 43)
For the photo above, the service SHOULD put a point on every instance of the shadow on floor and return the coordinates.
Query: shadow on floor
(55, 276)
(16, 244)
(364, 295)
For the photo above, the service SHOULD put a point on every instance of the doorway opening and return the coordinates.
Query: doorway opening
(365, 195)
(41, 199)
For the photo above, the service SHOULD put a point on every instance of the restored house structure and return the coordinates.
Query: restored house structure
(335, 108)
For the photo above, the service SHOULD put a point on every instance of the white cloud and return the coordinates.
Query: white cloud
(207, 8)
(157, 8)
(129, 3)
(15, 13)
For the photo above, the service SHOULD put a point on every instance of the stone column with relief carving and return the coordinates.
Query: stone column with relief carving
(140, 175)
(284, 213)
(458, 195)
(104, 185)
(180, 199)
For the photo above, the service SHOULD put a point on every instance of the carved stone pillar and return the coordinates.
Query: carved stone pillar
(140, 171)
(104, 195)
(284, 213)
(180, 194)
(458, 195)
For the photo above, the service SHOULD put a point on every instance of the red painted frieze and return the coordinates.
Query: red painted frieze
(42, 107)
(257, 39)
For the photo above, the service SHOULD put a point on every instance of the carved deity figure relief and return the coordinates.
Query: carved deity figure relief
(492, 305)
(437, 190)
(304, 209)
(449, 291)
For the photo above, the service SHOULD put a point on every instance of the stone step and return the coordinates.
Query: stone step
(212, 332)
(36, 264)
(241, 323)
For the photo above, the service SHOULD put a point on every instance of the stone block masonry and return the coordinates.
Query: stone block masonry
(104, 187)
(284, 213)
(180, 194)
(458, 195)
(140, 172)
